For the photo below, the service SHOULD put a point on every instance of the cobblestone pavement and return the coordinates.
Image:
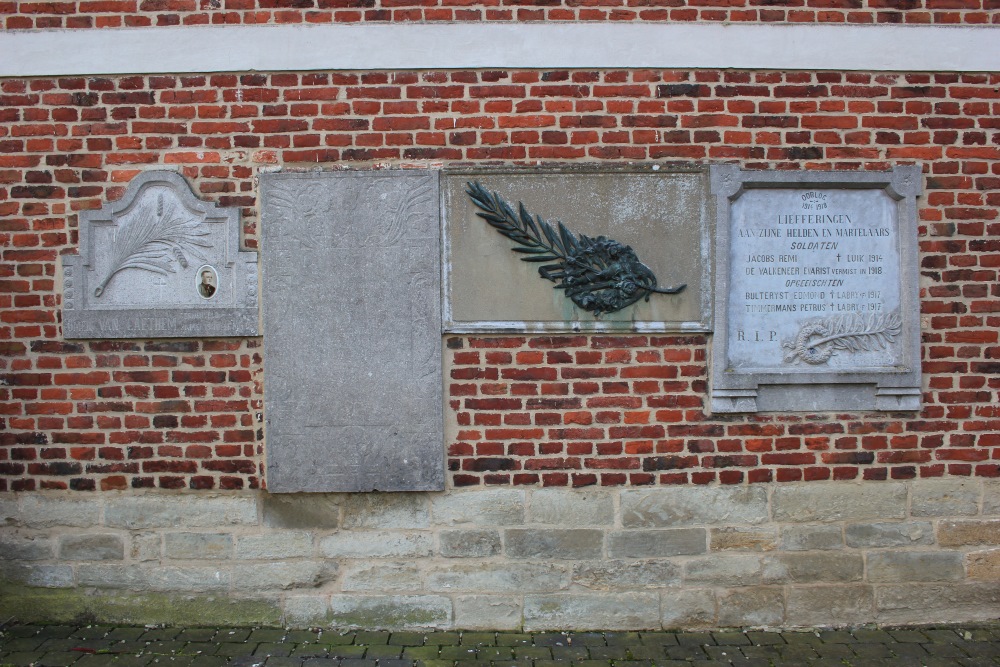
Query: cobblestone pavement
(58, 645)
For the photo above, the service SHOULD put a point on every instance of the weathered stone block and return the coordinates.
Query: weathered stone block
(968, 533)
(38, 575)
(879, 535)
(43, 511)
(724, 570)
(382, 578)
(487, 612)
(172, 510)
(983, 564)
(571, 507)
(350, 253)
(138, 578)
(92, 547)
(945, 497)
(631, 611)
(838, 502)
(469, 543)
(687, 608)
(494, 507)
(198, 546)
(657, 543)
(809, 606)
(145, 546)
(669, 507)
(275, 545)
(741, 538)
(8, 512)
(385, 510)
(813, 567)
(491, 577)
(914, 566)
(15, 547)
(391, 611)
(991, 497)
(282, 576)
(376, 544)
(571, 543)
(811, 537)
(619, 575)
(752, 607)
(306, 611)
(302, 511)
(945, 603)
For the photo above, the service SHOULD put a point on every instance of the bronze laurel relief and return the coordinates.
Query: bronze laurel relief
(599, 274)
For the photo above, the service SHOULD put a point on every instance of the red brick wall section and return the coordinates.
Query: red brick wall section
(532, 410)
(42, 14)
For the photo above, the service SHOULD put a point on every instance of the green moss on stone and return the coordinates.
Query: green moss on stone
(46, 605)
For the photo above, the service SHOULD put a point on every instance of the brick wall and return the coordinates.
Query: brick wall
(562, 411)
(139, 13)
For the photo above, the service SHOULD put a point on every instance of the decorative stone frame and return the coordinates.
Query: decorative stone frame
(739, 387)
(122, 304)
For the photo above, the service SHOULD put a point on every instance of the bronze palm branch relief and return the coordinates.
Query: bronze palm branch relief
(599, 275)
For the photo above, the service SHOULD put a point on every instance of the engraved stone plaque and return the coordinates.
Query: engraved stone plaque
(665, 216)
(816, 292)
(352, 331)
(160, 263)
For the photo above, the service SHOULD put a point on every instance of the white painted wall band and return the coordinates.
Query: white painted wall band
(495, 45)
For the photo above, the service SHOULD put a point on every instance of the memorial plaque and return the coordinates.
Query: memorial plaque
(665, 217)
(816, 291)
(160, 263)
(352, 331)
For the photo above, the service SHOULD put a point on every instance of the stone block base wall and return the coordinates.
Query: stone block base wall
(790, 555)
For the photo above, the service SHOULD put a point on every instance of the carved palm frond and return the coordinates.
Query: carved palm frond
(855, 332)
(599, 274)
(816, 340)
(153, 239)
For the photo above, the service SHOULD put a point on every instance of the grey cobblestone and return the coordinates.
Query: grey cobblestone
(124, 646)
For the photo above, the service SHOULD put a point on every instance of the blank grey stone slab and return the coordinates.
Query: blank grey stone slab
(665, 215)
(816, 291)
(352, 331)
(160, 263)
